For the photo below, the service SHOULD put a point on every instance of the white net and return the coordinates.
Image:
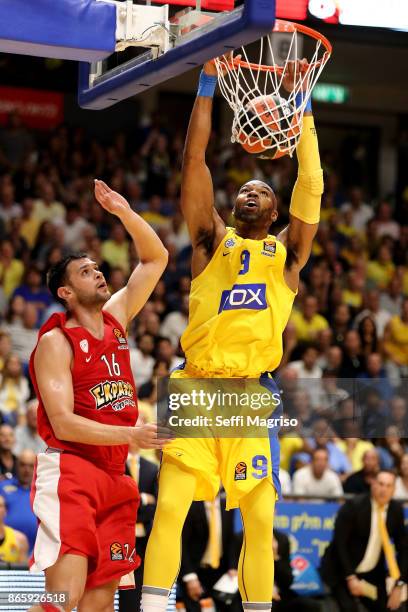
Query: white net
(267, 117)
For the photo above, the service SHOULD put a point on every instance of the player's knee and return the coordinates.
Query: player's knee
(74, 597)
(169, 513)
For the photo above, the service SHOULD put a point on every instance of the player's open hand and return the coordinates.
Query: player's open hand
(110, 200)
(151, 435)
(295, 72)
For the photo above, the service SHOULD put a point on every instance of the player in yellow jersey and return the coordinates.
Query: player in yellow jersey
(13, 543)
(243, 287)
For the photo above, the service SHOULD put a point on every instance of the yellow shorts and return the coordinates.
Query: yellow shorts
(240, 464)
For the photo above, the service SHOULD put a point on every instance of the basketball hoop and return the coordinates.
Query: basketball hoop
(267, 118)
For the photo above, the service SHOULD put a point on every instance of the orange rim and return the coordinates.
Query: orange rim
(287, 26)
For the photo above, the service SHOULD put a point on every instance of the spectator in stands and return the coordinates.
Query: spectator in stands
(324, 437)
(115, 251)
(396, 343)
(30, 225)
(148, 391)
(381, 270)
(11, 269)
(285, 481)
(153, 214)
(13, 543)
(368, 336)
(142, 360)
(401, 485)
(352, 362)
(9, 209)
(340, 323)
(361, 212)
(27, 435)
(391, 299)
(47, 207)
(24, 335)
(386, 225)
(352, 445)
(8, 461)
(317, 479)
(353, 292)
(374, 411)
(117, 279)
(308, 373)
(165, 351)
(302, 410)
(155, 151)
(14, 390)
(16, 492)
(158, 298)
(201, 566)
(332, 360)
(399, 415)
(330, 395)
(5, 347)
(307, 321)
(372, 308)
(361, 545)
(175, 323)
(374, 376)
(32, 290)
(74, 228)
(391, 448)
(290, 444)
(360, 482)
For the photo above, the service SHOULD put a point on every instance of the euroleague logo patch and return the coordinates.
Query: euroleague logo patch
(119, 336)
(116, 552)
(240, 471)
(269, 248)
(123, 552)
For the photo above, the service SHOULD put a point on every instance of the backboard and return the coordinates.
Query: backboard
(126, 46)
(184, 40)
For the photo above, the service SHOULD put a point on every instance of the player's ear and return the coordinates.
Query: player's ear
(64, 292)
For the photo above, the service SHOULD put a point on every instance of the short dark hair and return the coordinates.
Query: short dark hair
(319, 448)
(386, 471)
(57, 274)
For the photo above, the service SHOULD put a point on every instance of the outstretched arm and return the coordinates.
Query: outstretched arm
(126, 303)
(197, 196)
(305, 203)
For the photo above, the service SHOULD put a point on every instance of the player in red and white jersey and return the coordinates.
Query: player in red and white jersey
(81, 372)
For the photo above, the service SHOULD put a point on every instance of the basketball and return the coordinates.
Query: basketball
(260, 117)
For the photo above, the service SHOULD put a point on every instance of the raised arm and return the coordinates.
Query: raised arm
(305, 203)
(126, 303)
(197, 196)
(52, 365)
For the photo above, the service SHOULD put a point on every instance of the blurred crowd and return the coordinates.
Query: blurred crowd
(343, 373)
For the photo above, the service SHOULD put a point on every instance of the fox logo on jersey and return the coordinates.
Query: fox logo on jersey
(251, 296)
(112, 392)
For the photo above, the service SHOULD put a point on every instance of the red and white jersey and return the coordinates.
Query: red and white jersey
(104, 389)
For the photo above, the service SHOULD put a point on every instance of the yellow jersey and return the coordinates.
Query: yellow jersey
(239, 307)
(9, 550)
